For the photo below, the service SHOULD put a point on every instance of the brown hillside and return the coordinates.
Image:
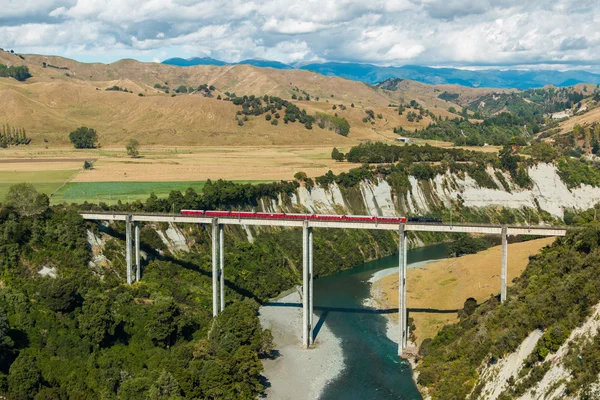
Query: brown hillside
(67, 94)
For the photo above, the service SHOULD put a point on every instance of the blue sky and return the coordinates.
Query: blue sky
(559, 34)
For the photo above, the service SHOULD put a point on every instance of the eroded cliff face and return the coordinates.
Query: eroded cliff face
(377, 197)
(552, 384)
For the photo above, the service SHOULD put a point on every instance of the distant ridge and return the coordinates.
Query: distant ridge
(372, 74)
(190, 62)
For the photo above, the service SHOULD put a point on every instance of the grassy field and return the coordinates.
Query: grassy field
(44, 181)
(112, 192)
(446, 284)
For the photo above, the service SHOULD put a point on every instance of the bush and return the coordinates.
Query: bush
(133, 148)
(84, 138)
(26, 200)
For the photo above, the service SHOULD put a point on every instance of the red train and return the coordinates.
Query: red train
(316, 217)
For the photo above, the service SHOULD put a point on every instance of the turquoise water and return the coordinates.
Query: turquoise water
(372, 367)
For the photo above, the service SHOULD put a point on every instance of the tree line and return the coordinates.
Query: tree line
(13, 136)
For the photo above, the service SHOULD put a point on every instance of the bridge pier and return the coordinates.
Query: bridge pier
(306, 285)
(310, 285)
(504, 271)
(215, 273)
(222, 265)
(138, 258)
(402, 310)
(128, 255)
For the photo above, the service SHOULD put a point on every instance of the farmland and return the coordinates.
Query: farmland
(160, 170)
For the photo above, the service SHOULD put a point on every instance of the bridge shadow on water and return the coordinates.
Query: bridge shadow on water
(326, 310)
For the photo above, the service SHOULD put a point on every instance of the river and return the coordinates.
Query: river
(372, 369)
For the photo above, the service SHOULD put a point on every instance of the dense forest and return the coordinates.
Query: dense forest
(80, 333)
(554, 294)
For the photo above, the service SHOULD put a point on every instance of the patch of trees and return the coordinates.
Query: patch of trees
(12, 136)
(418, 159)
(340, 125)
(46, 65)
(304, 94)
(467, 244)
(448, 96)
(497, 130)
(576, 172)
(18, 72)
(256, 106)
(116, 88)
(84, 138)
(164, 88)
(555, 293)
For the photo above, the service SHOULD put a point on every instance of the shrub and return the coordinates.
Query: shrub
(84, 138)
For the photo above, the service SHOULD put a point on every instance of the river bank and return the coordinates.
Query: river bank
(297, 373)
(439, 289)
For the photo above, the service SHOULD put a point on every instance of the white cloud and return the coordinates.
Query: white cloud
(431, 32)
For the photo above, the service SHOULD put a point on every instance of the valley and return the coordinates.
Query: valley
(245, 137)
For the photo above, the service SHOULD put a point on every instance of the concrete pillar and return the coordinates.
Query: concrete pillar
(305, 286)
(404, 267)
(504, 272)
(138, 258)
(215, 258)
(401, 284)
(310, 285)
(222, 265)
(128, 249)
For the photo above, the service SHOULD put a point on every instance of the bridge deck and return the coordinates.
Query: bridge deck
(409, 226)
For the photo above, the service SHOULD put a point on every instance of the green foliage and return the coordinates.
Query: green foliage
(555, 294)
(59, 294)
(337, 155)
(496, 130)
(96, 321)
(89, 337)
(11, 136)
(467, 244)
(340, 125)
(449, 97)
(162, 327)
(24, 379)
(26, 200)
(543, 151)
(84, 138)
(6, 343)
(133, 148)
(19, 72)
(577, 172)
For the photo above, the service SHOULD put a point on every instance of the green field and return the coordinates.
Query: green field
(44, 181)
(112, 192)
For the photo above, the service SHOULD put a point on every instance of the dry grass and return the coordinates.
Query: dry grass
(51, 104)
(446, 284)
(162, 164)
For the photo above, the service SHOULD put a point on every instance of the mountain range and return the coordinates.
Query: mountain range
(369, 73)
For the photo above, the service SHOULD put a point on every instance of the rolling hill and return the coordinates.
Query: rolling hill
(65, 94)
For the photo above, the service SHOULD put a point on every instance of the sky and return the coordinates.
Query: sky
(532, 34)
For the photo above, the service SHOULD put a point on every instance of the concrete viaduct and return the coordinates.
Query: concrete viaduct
(218, 276)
